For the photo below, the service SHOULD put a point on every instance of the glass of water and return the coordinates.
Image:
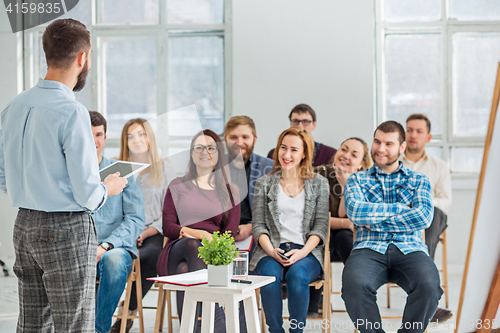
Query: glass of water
(240, 265)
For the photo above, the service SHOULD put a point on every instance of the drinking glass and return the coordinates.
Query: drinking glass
(240, 265)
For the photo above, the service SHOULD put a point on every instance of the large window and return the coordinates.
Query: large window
(151, 57)
(440, 57)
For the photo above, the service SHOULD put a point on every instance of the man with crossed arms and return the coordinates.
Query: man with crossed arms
(390, 207)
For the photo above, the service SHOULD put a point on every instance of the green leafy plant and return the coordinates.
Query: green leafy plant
(220, 251)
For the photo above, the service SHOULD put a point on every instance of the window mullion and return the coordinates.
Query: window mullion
(380, 113)
(446, 83)
(94, 84)
(228, 60)
(101, 77)
(162, 92)
(29, 64)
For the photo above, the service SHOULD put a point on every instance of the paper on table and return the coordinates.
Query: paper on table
(244, 245)
(185, 279)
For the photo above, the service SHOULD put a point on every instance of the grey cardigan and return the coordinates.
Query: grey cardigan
(266, 217)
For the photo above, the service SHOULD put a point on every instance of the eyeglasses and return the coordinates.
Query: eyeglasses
(306, 122)
(198, 149)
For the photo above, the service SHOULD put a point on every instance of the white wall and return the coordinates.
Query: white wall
(460, 222)
(294, 51)
(10, 85)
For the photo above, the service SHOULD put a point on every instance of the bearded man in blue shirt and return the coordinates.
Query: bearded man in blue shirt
(118, 223)
(390, 207)
(48, 167)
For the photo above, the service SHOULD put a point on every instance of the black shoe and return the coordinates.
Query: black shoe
(118, 323)
(441, 315)
(312, 314)
(284, 294)
(4, 268)
(315, 303)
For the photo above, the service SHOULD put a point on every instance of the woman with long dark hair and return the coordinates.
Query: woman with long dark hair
(196, 205)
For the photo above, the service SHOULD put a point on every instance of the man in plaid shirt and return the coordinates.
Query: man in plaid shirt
(390, 207)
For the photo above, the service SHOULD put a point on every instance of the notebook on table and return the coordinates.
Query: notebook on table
(184, 279)
(244, 245)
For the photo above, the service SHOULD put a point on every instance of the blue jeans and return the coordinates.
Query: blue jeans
(112, 271)
(297, 278)
(366, 271)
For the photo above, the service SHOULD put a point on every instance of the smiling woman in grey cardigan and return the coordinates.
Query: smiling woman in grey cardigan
(290, 224)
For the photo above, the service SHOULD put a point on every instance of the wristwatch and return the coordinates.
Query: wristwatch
(106, 246)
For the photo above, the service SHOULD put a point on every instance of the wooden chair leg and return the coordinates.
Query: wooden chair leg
(445, 267)
(168, 298)
(388, 295)
(262, 314)
(138, 289)
(164, 304)
(327, 311)
(128, 292)
(159, 308)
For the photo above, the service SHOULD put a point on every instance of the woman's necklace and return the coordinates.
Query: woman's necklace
(296, 187)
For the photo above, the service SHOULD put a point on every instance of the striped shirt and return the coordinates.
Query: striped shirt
(397, 207)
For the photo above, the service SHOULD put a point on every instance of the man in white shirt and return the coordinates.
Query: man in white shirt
(415, 158)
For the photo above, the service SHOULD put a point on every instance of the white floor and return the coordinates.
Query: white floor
(340, 321)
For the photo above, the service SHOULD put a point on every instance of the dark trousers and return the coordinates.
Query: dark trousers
(149, 254)
(436, 228)
(366, 271)
(341, 242)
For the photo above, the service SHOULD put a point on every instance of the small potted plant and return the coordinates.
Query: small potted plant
(218, 254)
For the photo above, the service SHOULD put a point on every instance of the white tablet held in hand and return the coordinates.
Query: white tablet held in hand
(126, 169)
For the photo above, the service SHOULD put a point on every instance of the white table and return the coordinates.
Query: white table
(230, 296)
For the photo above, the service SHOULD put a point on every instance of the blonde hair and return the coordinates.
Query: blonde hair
(156, 168)
(306, 169)
(367, 161)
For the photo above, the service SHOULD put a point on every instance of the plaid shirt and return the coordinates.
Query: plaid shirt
(397, 207)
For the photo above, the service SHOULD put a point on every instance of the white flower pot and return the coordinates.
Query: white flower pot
(220, 275)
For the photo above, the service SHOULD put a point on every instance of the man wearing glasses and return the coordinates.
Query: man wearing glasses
(302, 115)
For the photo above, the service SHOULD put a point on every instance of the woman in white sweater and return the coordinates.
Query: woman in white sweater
(290, 224)
(138, 144)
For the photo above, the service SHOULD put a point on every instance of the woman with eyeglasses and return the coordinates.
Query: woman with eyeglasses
(290, 224)
(196, 205)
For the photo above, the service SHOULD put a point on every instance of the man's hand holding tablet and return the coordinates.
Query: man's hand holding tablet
(125, 168)
(111, 175)
(115, 184)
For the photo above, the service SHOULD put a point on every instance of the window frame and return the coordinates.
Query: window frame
(447, 28)
(161, 33)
